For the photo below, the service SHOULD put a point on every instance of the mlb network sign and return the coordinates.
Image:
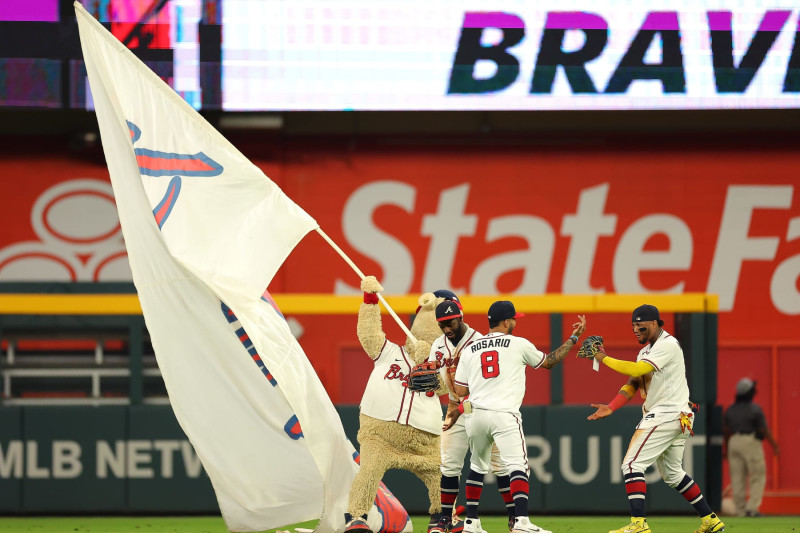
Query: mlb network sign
(440, 55)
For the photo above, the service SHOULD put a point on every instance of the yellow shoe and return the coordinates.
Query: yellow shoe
(711, 524)
(638, 525)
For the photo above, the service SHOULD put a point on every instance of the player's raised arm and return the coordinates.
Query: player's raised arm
(558, 355)
(634, 369)
(627, 368)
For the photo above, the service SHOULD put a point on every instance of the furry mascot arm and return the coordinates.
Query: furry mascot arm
(420, 347)
(369, 329)
(425, 329)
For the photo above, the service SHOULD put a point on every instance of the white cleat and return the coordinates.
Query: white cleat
(472, 525)
(523, 525)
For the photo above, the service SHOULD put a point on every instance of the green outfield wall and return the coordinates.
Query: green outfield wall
(136, 459)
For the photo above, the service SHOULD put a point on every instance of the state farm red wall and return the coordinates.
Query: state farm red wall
(688, 190)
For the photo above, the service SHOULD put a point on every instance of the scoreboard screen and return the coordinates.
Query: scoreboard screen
(395, 55)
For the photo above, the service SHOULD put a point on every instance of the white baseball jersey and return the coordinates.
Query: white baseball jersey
(455, 443)
(668, 394)
(445, 354)
(493, 368)
(387, 397)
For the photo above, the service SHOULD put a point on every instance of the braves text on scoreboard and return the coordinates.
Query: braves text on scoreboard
(341, 55)
(509, 55)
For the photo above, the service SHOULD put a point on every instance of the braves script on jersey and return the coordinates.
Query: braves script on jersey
(668, 394)
(491, 368)
(446, 355)
(387, 396)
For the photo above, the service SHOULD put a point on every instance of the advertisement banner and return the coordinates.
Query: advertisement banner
(99, 460)
(483, 221)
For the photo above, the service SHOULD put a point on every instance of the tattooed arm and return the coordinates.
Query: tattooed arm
(561, 352)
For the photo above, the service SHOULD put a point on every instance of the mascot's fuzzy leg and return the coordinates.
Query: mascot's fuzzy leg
(388, 444)
(380, 453)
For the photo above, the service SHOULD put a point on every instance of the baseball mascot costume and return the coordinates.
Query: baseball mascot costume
(400, 426)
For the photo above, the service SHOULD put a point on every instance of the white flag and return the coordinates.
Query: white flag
(206, 231)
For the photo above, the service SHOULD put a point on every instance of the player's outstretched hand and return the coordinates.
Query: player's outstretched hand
(602, 411)
(580, 326)
(452, 417)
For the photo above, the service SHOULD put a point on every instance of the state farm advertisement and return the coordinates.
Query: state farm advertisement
(480, 221)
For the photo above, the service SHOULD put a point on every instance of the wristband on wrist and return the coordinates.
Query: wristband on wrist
(574, 339)
(370, 297)
(461, 405)
(618, 401)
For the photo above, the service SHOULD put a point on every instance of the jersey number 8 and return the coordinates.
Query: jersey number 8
(490, 364)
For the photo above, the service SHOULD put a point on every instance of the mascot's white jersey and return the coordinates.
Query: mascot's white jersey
(387, 396)
(445, 354)
(668, 393)
(493, 367)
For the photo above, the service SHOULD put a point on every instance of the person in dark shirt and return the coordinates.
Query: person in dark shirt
(745, 427)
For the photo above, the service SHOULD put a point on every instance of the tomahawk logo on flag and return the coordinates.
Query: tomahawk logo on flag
(205, 232)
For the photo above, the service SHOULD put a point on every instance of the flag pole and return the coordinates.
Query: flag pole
(361, 275)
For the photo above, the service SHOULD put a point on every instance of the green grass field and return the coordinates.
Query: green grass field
(492, 524)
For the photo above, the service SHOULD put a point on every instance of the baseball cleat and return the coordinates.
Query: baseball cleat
(522, 524)
(443, 525)
(472, 525)
(711, 524)
(638, 525)
(357, 525)
(458, 527)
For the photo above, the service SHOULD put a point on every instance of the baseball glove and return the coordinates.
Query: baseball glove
(424, 377)
(591, 346)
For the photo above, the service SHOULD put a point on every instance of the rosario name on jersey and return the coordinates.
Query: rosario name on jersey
(493, 368)
(668, 394)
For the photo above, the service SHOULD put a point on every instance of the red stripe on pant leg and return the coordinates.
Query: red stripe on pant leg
(636, 486)
(472, 492)
(448, 498)
(692, 493)
(519, 486)
(635, 434)
(507, 497)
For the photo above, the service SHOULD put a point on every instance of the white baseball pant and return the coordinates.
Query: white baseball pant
(485, 427)
(455, 444)
(662, 444)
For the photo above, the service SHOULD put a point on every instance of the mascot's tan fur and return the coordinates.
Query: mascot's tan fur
(386, 444)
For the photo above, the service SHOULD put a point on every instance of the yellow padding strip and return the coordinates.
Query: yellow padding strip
(327, 304)
(70, 304)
